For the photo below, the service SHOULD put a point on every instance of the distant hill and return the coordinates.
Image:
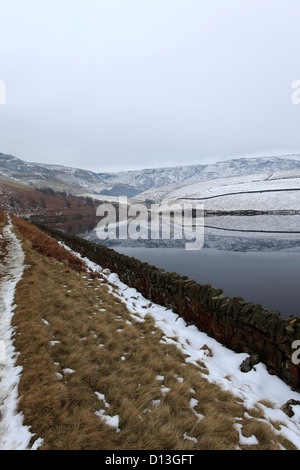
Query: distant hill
(190, 174)
(264, 191)
(130, 183)
(59, 178)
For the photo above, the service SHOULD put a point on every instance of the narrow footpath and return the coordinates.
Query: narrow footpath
(13, 435)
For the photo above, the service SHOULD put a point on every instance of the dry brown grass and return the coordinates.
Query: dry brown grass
(15, 184)
(2, 218)
(94, 335)
(45, 245)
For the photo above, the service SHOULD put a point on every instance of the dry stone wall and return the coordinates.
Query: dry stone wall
(237, 324)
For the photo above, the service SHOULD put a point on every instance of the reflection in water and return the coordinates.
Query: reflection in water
(256, 258)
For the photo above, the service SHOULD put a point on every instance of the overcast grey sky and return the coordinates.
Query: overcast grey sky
(110, 85)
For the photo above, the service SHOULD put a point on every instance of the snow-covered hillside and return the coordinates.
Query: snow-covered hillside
(80, 181)
(265, 191)
(158, 177)
(54, 176)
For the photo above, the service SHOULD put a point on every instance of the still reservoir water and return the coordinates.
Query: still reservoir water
(271, 279)
(256, 258)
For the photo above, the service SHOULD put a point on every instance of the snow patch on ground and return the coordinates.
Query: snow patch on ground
(112, 421)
